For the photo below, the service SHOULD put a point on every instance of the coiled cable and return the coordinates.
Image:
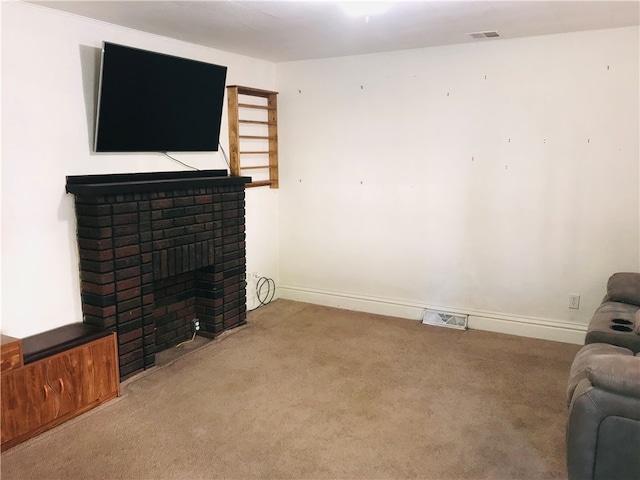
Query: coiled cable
(266, 296)
(265, 291)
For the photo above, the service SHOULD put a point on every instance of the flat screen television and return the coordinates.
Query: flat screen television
(152, 102)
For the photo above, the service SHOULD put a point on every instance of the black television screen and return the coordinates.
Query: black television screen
(152, 102)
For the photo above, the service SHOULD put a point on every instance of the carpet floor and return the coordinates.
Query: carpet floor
(306, 391)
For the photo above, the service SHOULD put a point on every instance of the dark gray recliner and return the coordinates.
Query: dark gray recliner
(603, 429)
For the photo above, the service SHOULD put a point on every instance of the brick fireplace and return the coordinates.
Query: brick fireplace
(158, 250)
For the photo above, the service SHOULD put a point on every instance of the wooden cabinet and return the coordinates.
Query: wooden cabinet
(46, 393)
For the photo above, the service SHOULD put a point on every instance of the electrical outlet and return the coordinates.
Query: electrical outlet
(574, 301)
(195, 325)
(252, 279)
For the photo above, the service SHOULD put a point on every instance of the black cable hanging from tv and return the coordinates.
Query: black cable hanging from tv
(224, 155)
(181, 163)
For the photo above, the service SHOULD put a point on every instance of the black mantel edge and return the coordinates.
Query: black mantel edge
(121, 183)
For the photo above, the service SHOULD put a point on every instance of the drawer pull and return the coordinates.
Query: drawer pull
(61, 385)
(46, 391)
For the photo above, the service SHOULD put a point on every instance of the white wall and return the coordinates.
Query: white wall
(50, 61)
(493, 179)
(407, 178)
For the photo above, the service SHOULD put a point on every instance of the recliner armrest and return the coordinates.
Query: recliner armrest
(615, 373)
(586, 357)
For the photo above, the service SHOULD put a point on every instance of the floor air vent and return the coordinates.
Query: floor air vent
(444, 319)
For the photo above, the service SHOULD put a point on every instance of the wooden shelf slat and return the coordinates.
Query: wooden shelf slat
(262, 183)
(256, 122)
(254, 137)
(254, 92)
(251, 105)
(255, 167)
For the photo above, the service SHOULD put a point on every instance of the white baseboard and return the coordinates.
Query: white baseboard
(556, 330)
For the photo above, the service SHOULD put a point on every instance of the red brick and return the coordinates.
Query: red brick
(200, 199)
(99, 278)
(96, 289)
(164, 203)
(127, 273)
(129, 336)
(95, 244)
(94, 233)
(125, 207)
(183, 201)
(99, 311)
(126, 240)
(129, 315)
(125, 219)
(126, 284)
(127, 294)
(125, 230)
(96, 255)
(127, 251)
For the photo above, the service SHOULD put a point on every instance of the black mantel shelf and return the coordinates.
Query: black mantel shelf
(121, 183)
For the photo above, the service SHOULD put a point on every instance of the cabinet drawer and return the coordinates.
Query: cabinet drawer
(28, 402)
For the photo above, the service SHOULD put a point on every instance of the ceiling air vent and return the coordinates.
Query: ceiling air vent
(491, 34)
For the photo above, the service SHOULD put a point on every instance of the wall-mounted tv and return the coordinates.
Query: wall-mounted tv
(152, 102)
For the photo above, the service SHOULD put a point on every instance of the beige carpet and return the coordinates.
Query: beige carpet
(305, 391)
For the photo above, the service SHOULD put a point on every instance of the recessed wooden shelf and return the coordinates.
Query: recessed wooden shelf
(259, 125)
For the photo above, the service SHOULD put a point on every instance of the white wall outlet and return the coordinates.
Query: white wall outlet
(574, 301)
(253, 279)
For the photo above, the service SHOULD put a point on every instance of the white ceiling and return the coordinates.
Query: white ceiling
(282, 31)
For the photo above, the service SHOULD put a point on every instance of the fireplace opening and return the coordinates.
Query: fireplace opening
(175, 308)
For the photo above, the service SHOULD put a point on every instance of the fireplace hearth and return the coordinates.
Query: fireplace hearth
(157, 250)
